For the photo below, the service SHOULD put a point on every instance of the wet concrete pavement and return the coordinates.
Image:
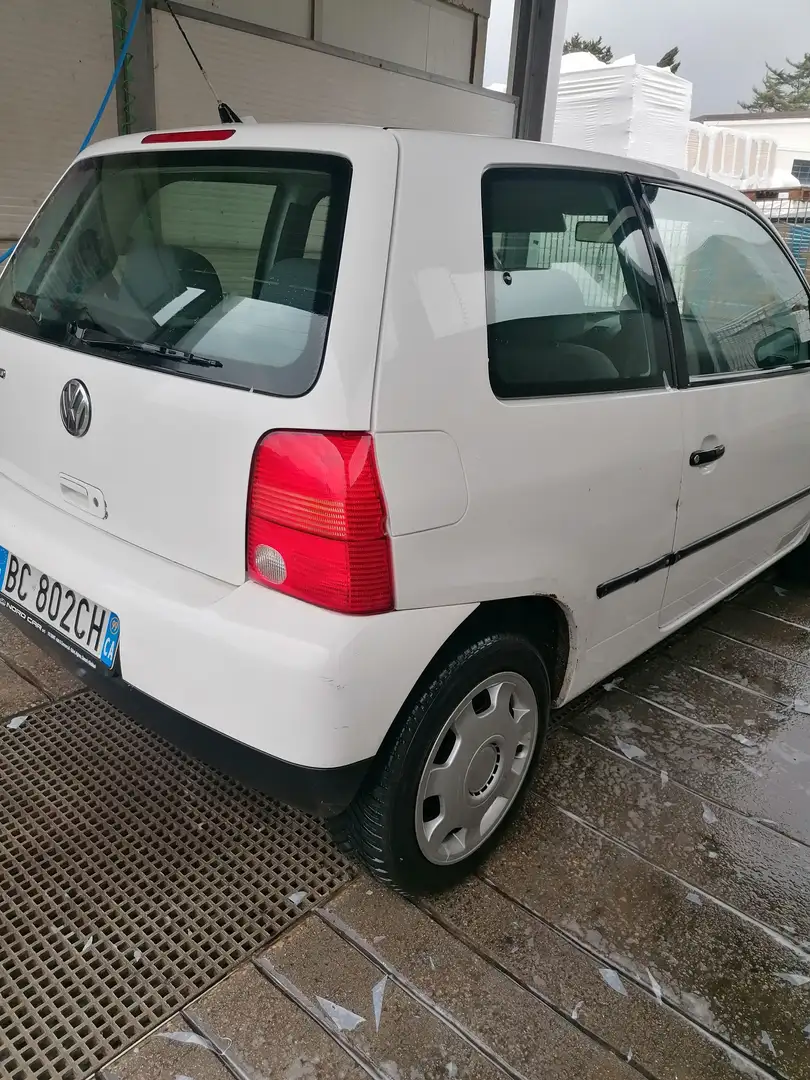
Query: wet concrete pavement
(648, 915)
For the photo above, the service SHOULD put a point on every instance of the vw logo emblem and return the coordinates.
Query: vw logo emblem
(74, 408)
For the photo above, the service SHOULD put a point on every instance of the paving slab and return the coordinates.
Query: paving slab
(33, 664)
(16, 694)
(747, 666)
(755, 762)
(410, 1040)
(531, 1038)
(780, 598)
(163, 1057)
(745, 864)
(764, 631)
(716, 966)
(663, 1042)
(268, 1035)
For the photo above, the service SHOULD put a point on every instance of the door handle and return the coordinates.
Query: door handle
(703, 457)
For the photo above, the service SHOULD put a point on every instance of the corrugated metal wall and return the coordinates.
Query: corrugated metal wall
(56, 58)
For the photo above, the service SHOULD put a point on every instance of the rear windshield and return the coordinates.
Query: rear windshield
(215, 265)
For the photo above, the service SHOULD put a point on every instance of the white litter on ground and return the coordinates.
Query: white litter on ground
(297, 898)
(343, 1019)
(613, 980)
(88, 945)
(801, 706)
(793, 978)
(16, 722)
(377, 995)
(612, 683)
(743, 740)
(630, 750)
(185, 1038)
(767, 1042)
(664, 778)
(709, 815)
(576, 1009)
(693, 898)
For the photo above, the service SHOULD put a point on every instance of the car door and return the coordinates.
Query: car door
(744, 345)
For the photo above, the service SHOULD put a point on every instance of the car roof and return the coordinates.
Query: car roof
(343, 138)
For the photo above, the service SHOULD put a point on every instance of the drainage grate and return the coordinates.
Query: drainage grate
(132, 880)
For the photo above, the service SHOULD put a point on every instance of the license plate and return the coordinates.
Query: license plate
(58, 611)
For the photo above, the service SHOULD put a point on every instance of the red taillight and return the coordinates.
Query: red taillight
(210, 135)
(316, 521)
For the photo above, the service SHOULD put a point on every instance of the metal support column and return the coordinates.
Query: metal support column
(135, 92)
(534, 71)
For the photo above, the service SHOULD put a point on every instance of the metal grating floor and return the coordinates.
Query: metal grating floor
(131, 880)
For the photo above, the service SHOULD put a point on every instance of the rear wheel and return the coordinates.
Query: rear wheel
(452, 776)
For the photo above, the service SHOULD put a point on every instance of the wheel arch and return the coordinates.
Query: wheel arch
(544, 620)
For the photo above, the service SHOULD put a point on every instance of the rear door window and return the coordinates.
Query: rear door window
(218, 265)
(572, 301)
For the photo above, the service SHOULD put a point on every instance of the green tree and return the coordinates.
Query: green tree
(783, 89)
(577, 43)
(670, 60)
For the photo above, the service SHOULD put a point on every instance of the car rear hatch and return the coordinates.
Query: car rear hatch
(178, 297)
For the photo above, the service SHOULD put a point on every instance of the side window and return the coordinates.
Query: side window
(572, 301)
(743, 305)
(317, 229)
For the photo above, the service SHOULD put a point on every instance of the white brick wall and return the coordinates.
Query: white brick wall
(56, 59)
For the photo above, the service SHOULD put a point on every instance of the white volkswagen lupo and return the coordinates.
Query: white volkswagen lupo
(340, 456)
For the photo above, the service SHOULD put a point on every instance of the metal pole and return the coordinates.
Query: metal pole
(135, 90)
(538, 31)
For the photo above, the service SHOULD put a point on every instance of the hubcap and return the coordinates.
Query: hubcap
(476, 767)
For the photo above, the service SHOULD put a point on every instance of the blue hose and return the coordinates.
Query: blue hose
(115, 76)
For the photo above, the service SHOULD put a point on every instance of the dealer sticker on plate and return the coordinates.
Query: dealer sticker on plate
(59, 612)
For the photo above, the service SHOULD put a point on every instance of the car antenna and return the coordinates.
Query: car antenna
(226, 113)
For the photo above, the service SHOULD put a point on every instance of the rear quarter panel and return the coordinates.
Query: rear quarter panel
(562, 493)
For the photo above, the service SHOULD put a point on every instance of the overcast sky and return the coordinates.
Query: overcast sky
(723, 49)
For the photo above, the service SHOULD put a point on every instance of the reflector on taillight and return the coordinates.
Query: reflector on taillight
(316, 521)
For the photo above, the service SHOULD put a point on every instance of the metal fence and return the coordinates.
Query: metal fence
(791, 217)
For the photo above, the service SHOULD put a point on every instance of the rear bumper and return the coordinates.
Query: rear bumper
(323, 792)
(303, 687)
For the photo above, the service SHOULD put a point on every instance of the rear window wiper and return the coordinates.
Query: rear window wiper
(145, 348)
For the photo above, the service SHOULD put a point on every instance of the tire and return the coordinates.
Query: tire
(488, 686)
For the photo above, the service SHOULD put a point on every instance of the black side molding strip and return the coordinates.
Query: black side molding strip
(633, 576)
(722, 534)
(630, 578)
